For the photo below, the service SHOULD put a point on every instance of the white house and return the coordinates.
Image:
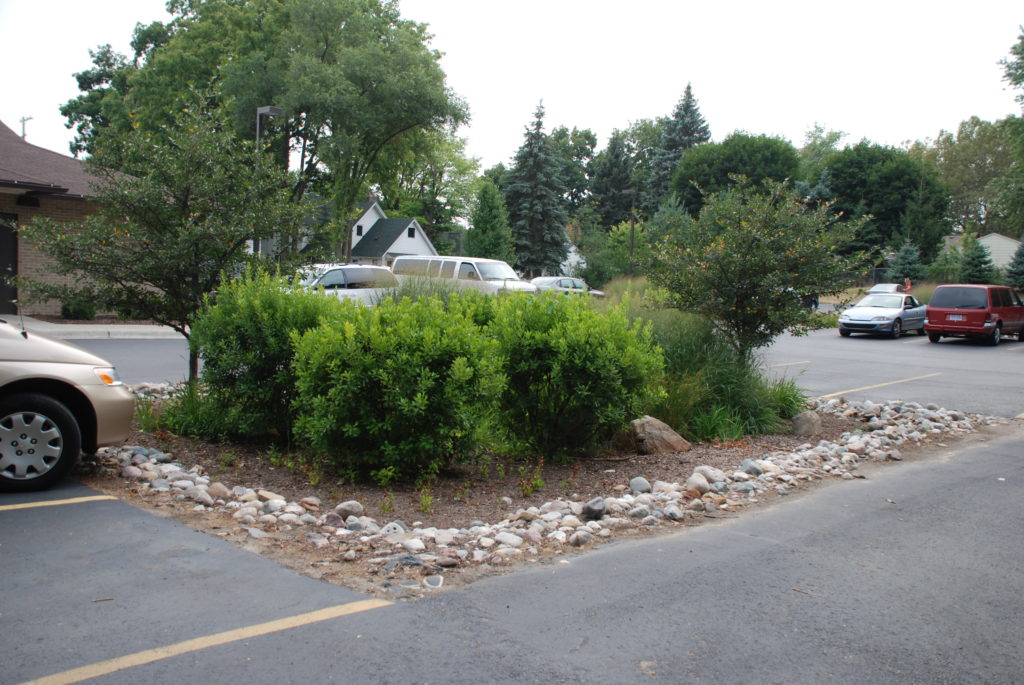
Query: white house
(376, 239)
(1000, 247)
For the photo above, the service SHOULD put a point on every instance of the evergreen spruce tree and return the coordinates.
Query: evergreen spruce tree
(536, 210)
(611, 186)
(976, 266)
(1015, 270)
(490, 235)
(684, 130)
(906, 264)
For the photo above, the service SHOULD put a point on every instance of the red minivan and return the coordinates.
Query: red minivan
(977, 311)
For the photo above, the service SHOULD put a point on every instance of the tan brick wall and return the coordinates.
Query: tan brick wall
(31, 262)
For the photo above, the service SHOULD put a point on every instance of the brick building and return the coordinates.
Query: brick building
(35, 182)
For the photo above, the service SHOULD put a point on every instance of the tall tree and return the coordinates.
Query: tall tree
(533, 196)
(354, 79)
(902, 195)
(906, 264)
(489, 235)
(575, 149)
(1014, 66)
(641, 140)
(1015, 269)
(708, 168)
(685, 129)
(612, 187)
(819, 144)
(171, 223)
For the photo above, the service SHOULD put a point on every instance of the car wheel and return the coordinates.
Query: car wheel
(844, 333)
(921, 331)
(897, 328)
(993, 339)
(39, 442)
(933, 337)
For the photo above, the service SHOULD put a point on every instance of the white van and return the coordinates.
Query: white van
(486, 275)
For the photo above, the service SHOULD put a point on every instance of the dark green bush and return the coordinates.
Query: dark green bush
(244, 339)
(81, 310)
(403, 388)
(575, 376)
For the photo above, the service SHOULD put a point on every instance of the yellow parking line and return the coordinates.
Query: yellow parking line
(880, 385)
(150, 655)
(54, 502)
(915, 341)
(778, 366)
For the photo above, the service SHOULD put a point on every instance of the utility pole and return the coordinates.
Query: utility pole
(23, 120)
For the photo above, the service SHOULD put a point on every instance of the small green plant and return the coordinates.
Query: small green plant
(228, 459)
(530, 480)
(426, 499)
(384, 476)
(462, 492)
(273, 455)
(387, 503)
(147, 415)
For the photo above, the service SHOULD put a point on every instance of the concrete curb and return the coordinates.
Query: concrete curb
(89, 331)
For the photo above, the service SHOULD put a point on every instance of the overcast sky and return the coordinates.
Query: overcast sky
(889, 71)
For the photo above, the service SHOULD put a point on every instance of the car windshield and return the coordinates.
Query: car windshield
(496, 271)
(887, 301)
(960, 298)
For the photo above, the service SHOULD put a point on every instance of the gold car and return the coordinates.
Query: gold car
(56, 400)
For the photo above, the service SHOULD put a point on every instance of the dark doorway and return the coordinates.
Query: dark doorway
(8, 262)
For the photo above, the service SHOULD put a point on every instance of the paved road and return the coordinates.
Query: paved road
(957, 373)
(912, 576)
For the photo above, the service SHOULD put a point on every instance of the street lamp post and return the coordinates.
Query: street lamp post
(270, 111)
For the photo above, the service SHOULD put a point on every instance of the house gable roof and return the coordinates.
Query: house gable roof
(28, 168)
(381, 236)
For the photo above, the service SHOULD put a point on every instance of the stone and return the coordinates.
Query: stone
(594, 509)
(697, 482)
(133, 472)
(710, 473)
(807, 423)
(267, 495)
(393, 528)
(219, 490)
(333, 519)
(433, 582)
(639, 484)
(413, 546)
(507, 538)
(317, 540)
(310, 503)
(656, 437)
(580, 538)
(349, 508)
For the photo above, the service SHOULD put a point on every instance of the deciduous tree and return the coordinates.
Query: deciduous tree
(171, 224)
(750, 258)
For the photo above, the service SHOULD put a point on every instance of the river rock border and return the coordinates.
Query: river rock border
(419, 556)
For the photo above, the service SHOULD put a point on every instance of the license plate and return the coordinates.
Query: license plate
(955, 317)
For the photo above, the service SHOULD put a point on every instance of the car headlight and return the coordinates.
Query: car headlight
(882, 318)
(107, 374)
(844, 317)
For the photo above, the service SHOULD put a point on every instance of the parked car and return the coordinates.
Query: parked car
(486, 275)
(361, 282)
(976, 311)
(883, 314)
(887, 288)
(565, 284)
(56, 400)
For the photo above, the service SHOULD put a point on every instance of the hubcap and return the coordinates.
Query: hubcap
(30, 445)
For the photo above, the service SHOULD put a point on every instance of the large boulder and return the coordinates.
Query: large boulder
(656, 437)
(807, 423)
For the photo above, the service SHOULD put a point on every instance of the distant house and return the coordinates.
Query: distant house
(35, 182)
(376, 239)
(1000, 247)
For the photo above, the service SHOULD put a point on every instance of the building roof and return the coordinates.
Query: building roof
(381, 236)
(31, 169)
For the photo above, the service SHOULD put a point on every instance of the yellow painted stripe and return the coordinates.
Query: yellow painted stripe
(1019, 416)
(102, 668)
(777, 366)
(55, 502)
(881, 385)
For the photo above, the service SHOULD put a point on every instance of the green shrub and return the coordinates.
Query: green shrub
(80, 310)
(575, 376)
(244, 339)
(400, 388)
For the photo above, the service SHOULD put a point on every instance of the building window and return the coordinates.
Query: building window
(359, 229)
(412, 231)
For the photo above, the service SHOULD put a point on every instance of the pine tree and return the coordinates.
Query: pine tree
(1015, 270)
(684, 130)
(490, 235)
(906, 264)
(976, 266)
(611, 187)
(533, 196)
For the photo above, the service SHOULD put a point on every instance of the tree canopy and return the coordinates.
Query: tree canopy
(707, 169)
(489, 235)
(685, 129)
